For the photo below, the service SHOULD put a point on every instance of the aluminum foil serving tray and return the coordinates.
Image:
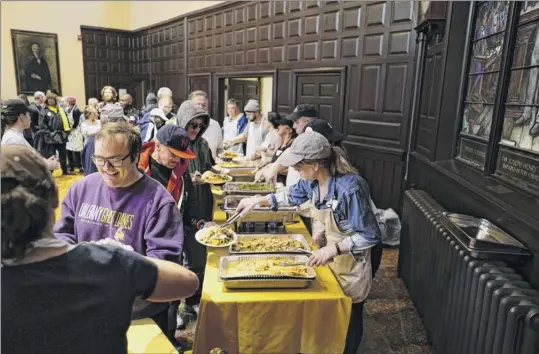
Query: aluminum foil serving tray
(236, 188)
(254, 281)
(297, 237)
(231, 202)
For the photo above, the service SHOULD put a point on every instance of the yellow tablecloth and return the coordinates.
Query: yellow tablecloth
(313, 320)
(145, 337)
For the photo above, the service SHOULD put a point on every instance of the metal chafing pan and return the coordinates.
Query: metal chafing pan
(482, 238)
(235, 188)
(231, 203)
(297, 237)
(253, 281)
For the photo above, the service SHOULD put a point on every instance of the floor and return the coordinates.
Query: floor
(392, 325)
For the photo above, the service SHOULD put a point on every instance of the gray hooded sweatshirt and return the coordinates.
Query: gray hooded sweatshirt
(200, 199)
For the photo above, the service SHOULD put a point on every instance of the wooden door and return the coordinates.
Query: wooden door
(139, 93)
(323, 91)
(243, 90)
(199, 83)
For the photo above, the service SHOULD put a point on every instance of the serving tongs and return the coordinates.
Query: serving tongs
(231, 219)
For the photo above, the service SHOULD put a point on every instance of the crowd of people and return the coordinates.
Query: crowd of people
(126, 227)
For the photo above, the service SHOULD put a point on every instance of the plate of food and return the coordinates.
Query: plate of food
(228, 155)
(216, 236)
(226, 166)
(215, 178)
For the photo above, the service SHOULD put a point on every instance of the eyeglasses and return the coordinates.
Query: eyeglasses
(113, 161)
(196, 125)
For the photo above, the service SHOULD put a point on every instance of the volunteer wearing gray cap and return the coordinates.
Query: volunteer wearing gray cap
(334, 195)
(254, 134)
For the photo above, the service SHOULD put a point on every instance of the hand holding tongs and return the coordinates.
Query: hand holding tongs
(231, 219)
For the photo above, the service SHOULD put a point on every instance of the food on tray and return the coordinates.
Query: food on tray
(229, 165)
(254, 187)
(229, 154)
(267, 267)
(267, 244)
(217, 236)
(215, 178)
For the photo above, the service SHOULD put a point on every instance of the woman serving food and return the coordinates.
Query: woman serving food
(344, 225)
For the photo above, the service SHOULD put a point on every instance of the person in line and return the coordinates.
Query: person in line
(75, 140)
(91, 124)
(111, 113)
(254, 134)
(166, 159)
(157, 120)
(109, 95)
(15, 120)
(214, 133)
(147, 124)
(54, 128)
(28, 133)
(151, 103)
(126, 101)
(62, 298)
(272, 141)
(234, 125)
(195, 120)
(165, 92)
(38, 108)
(337, 198)
(125, 205)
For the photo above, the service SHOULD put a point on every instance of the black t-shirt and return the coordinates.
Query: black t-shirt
(159, 172)
(78, 302)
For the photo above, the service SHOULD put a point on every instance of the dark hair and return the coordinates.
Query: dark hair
(274, 119)
(27, 201)
(7, 120)
(23, 98)
(133, 141)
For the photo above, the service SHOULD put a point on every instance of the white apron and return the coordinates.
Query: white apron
(230, 131)
(355, 277)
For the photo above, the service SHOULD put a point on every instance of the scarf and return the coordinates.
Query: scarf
(65, 122)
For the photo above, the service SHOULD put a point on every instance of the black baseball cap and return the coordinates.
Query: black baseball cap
(14, 107)
(285, 121)
(303, 110)
(323, 127)
(176, 140)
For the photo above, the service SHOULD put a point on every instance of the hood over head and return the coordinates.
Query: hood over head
(188, 111)
(151, 98)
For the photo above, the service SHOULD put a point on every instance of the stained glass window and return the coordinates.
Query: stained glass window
(483, 74)
(521, 116)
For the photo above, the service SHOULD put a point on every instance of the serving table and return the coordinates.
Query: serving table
(145, 337)
(312, 320)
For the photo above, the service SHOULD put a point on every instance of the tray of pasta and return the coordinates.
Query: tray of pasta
(270, 244)
(266, 272)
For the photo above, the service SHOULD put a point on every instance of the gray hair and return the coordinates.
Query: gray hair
(197, 93)
(38, 94)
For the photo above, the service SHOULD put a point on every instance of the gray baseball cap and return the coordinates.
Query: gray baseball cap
(307, 146)
(112, 113)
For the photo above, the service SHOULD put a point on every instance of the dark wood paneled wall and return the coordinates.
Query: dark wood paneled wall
(107, 56)
(371, 43)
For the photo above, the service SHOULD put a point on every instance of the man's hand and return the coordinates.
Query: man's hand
(52, 163)
(323, 256)
(35, 76)
(227, 144)
(196, 178)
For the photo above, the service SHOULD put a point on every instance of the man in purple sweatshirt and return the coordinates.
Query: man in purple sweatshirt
(121, 203)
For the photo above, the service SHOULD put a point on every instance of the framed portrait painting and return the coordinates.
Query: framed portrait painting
(37, 65)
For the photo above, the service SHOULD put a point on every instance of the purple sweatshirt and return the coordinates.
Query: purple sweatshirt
(143, 216)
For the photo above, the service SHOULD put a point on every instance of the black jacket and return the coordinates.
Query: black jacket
(51, 122)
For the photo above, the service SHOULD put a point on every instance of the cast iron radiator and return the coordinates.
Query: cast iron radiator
(468, 306)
